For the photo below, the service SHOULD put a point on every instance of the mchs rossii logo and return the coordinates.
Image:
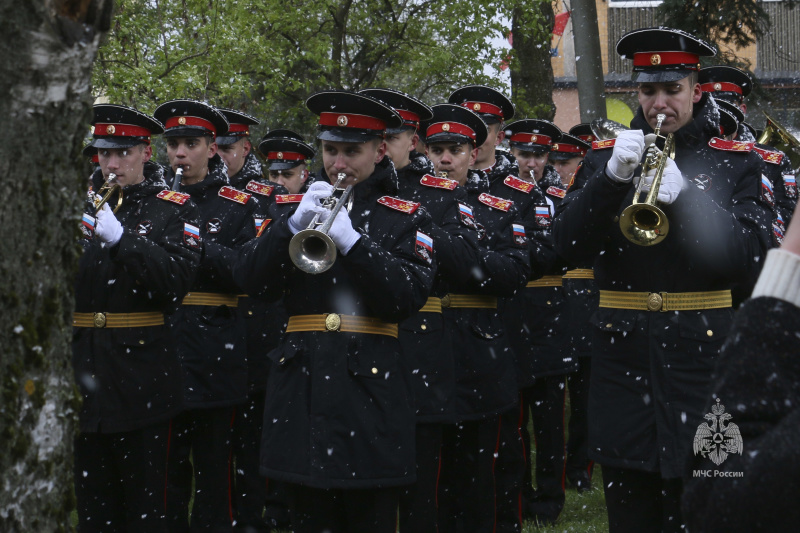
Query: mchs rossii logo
(716, 439)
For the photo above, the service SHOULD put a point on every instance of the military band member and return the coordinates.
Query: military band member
(210, 331)
(537, 331)
(235, 147)
(264, 322)
(427, 346)
(485, 377)
(665, 300)
(565, 156)
(286, 155)
(729, 84)
(135, 263)
(339, 419)
(580, 290)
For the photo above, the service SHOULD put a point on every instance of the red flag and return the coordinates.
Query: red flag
(561, 23)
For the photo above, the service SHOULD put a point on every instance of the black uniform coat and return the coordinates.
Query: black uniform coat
(650, 369)
(130, 377)
(427, 346)
(485, 374)
(265, 321)
(533, 316)
(757, 379)
(211, 338)
(339, 410)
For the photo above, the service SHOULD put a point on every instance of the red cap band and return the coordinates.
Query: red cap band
(451, 127)
(587, 138)
(121, 130)
(286, 156)
(534, 138)
(409, 116)
(724, 86)
(238, 129)
(664, 59)
(572, 148)
(182, 121)
(483, 107)
(347, 120)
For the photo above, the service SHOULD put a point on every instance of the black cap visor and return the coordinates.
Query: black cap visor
(280, 164)
(348, 135)
(563, 156)
(659, 76)
(188, 131)
(448, 137)
(530, 147)
(225, 140)
(116, 142)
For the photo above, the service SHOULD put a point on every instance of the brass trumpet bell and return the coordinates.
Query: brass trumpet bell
(778, 137)
(604, 129)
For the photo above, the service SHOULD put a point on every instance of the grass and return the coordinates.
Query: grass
(583, 513)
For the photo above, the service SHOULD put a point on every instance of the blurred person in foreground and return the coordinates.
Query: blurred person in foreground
(755, 393)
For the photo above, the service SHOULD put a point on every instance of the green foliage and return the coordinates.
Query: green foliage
(732, 22)
(266, 57)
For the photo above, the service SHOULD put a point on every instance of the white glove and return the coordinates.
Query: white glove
(310, 205)
(627, 154)
(342, 232)
(671, 182)
(108, 230)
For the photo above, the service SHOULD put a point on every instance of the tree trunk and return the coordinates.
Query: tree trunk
(47, 47)
(531, 70)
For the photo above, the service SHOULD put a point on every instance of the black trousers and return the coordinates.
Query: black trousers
(466, 484)
(120, 478)
(639, 501)
(315, 510)
(418, 502)
(579, 466)
(249, 486)
(509, 472)
(544, 402)
(200, 450)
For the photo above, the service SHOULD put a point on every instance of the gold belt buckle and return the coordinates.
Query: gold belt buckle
(99, 320)
(333, 322)
(654, 301)
(446, 300)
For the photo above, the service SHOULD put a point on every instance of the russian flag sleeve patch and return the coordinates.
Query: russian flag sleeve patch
(424, 247)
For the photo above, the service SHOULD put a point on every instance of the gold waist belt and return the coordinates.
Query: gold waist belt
(665, 301)
(337, 322)
(545, 281)
(580, 273)
(117, 320)
(433, 305)
(211, 298)
(474, 301)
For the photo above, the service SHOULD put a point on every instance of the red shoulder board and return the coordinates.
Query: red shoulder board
(399, 205)
(288, 198)
(769, 156)
(234, 195)
(601, 145)
(518, 184)
(494, 201)
(555, 191)
(260, 188)
(730, 146)
(174, 197)
(439, 183)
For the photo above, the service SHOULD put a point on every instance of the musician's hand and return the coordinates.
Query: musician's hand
(627, 154)
(342, 232)
(108, 230)
(310, 205)
(671, 182)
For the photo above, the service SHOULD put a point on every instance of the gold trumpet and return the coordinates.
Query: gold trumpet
(106, 192)
(779, 137)
(312, 250)
(642, 223)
